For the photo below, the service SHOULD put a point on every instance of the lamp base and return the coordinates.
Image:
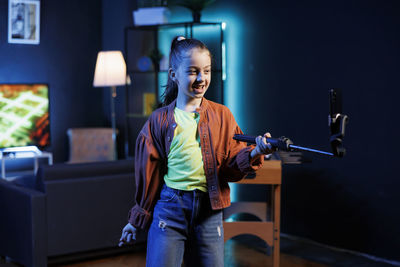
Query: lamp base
(113, 92)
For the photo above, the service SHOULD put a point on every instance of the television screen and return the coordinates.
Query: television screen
(24, 115)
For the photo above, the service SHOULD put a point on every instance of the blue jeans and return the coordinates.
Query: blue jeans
(185, 228)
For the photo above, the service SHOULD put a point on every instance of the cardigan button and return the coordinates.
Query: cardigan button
(169, 138)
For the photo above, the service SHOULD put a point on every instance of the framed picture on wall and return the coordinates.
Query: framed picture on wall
(23, 21)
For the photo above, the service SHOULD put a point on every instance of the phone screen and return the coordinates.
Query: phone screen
(335, 101)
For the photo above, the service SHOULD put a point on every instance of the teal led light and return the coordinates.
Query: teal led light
(223, 26)
(223, 61)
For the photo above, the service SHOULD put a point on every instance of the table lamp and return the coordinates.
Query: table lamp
(110, 71)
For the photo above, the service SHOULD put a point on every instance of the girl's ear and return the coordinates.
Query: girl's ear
(172, 74)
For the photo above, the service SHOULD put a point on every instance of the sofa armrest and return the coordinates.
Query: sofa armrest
(23, 224)
(87, 213)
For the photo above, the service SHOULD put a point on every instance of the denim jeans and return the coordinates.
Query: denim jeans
(185, 228)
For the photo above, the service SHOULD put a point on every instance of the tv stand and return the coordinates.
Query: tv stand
(32, 152)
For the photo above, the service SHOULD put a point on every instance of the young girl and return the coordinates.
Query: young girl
(185, 156)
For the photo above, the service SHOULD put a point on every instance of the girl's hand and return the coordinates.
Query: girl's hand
(262, 147)
(128, 235)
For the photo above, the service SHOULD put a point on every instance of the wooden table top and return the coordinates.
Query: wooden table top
(270, 173)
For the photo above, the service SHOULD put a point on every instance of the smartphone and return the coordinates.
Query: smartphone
(337, 122)
(335, 101)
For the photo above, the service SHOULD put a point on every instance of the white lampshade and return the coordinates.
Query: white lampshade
(110, 69)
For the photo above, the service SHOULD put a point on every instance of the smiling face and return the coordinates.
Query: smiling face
(193, 75)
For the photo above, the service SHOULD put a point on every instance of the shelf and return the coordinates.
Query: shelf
(161, 71)
(172, 25)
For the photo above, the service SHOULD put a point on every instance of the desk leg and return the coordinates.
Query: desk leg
(36, 165)
(277, 223)
(3, 168)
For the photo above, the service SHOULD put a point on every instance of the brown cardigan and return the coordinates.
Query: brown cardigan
(225, 160)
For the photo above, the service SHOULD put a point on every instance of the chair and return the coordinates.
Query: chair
(90, 145)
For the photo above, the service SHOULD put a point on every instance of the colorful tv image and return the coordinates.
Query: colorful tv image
(24, 115)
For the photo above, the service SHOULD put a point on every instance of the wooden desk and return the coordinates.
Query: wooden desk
(268, 228)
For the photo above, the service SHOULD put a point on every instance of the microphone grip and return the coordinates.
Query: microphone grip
(245, 138)
(282, 143)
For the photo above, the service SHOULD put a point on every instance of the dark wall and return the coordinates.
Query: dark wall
(297, 50)
(70, 37)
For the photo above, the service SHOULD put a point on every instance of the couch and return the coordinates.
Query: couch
(65, 209)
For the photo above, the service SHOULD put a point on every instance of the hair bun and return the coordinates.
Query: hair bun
(176, 41)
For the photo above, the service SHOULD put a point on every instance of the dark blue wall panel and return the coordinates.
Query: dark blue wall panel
(70, 37)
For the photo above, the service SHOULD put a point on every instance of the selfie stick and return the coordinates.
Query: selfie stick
(337, 124)
(281, 143)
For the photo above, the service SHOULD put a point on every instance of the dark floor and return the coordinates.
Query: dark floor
(331, 257)
(251, 251)
(313, 252)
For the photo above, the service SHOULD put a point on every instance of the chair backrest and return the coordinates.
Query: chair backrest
(90, 144)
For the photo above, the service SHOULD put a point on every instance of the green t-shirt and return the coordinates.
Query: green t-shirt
(185, 161)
